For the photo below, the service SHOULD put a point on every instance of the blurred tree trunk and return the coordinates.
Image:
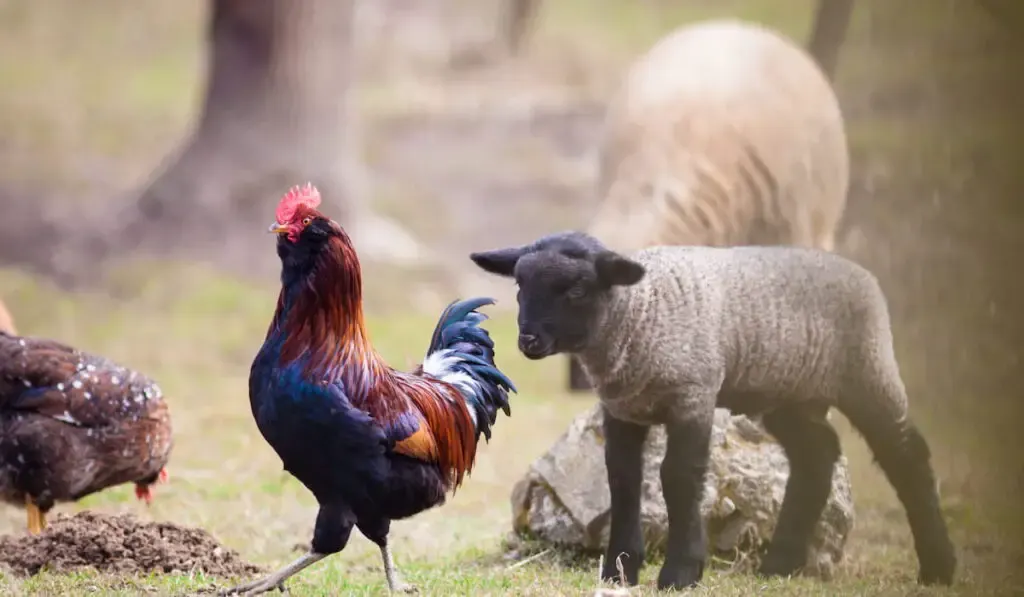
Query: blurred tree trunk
(275, 114)
(831, 21)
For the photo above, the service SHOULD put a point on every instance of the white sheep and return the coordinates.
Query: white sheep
(722, 133)
(669, 333)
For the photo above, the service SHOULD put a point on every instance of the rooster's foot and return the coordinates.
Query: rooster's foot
(255, 588)
(275, 580)
(404, 587)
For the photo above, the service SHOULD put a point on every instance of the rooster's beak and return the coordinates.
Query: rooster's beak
(276, 228)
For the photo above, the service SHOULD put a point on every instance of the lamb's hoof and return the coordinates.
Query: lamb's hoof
(937, 575)
(782, 563)
(933, 579)
(938, 564)
(682, 576)
(631, 562)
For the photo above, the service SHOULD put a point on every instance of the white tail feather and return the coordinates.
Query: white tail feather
(441, 365)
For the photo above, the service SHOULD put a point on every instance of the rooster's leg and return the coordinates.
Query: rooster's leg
(395, 582)
(276, 580)
(36, 518)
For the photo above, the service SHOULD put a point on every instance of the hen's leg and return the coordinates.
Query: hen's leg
(333, 529)
(36, 518)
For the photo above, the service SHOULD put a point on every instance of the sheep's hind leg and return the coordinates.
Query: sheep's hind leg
(682, 481)
(812, 449)
(903, 455)
(624, 459)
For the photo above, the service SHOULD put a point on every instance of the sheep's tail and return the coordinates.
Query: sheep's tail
(904, 456)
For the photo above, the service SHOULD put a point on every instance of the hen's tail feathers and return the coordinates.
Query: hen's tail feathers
(462, 353)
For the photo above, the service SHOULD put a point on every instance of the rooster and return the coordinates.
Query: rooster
(72, 424)
(371, 443)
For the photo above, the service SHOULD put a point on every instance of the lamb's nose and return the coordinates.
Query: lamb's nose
(527, 342)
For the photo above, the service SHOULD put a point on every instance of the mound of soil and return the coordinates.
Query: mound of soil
(120, 544)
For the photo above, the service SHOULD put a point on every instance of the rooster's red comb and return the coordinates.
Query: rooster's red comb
(297, 196)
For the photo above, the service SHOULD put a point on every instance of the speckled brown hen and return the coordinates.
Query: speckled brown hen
(72, 424)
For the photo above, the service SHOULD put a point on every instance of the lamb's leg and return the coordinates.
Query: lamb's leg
(682, 480)
(624, 459)
(812, 448)
(903, 455)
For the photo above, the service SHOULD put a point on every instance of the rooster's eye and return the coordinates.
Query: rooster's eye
(306, 221)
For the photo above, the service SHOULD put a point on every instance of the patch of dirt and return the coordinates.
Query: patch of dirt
(120, 544)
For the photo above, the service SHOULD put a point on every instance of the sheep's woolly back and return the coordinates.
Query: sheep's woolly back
(723, 133)
(758, 324)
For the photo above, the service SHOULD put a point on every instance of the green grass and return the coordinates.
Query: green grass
(462, 576)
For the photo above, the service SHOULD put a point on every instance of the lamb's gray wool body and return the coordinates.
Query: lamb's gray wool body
(723, 133)
(749, 327)
(669, 333)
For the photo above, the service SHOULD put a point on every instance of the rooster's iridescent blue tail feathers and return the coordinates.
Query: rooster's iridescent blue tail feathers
(462, 354)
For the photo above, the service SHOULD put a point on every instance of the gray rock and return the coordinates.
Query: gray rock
(563, 498)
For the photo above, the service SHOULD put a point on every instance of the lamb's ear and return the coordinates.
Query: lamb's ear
(615, 270)
(499, 261)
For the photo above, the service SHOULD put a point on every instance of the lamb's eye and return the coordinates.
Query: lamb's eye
(306, 221)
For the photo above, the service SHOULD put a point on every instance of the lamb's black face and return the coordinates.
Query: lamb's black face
(563, 280)
(558, 299)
